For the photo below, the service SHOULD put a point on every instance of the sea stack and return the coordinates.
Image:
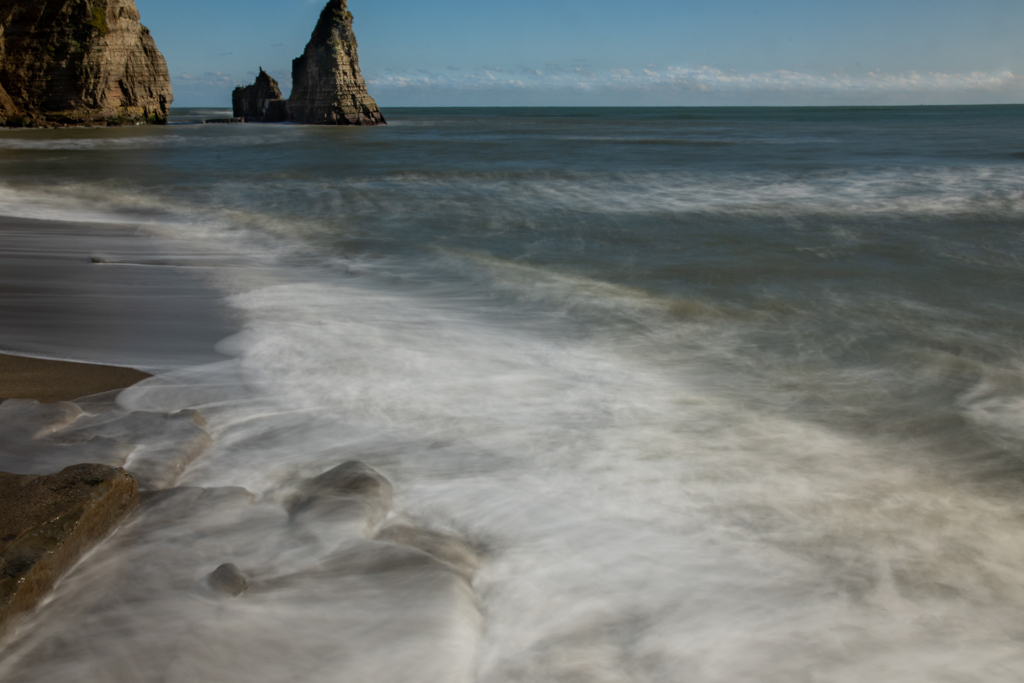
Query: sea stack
(75, 62)
(327, 87)
(262, 101)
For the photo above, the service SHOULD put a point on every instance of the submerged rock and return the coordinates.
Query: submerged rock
(450, 550)
(353, 491)
(229, 580)
(129, 613)
(327, 87)
(261, 102)
(79, 62)
(31, 439)
(27, 418)
(40, 438)
(48, 522)
(164, 444)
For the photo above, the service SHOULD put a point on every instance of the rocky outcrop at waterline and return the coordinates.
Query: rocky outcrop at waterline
(327, 87)
(75, 62)
(63, 486)
(48, 522)
(262, 101)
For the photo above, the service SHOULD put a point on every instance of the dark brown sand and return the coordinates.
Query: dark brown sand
(50, 380)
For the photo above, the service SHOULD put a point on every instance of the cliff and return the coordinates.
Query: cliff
(79, 62)
(327, 87)
(262, 101)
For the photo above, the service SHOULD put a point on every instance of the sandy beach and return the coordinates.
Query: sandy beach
(106, 295)
(48, 381)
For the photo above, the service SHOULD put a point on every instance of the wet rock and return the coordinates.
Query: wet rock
(353, 478)
(28, 439)
(352, 491)
(327, 87)
(229, 580)
(367, 559)
(48, 522)
(128, 612)
(450, 550)
(73, 62)
(45, 458)
(261, 102)
(165, 445)
(24, 419)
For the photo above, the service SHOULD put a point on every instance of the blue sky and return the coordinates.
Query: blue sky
(597, 52)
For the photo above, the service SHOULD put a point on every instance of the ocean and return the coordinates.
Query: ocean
(714, 394)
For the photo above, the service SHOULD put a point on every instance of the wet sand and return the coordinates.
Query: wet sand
(108, 295)
(48, 381)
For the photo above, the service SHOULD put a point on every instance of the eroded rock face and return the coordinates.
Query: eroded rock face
(327, 87)
(261, 102)
(48, 522)
(79, 62)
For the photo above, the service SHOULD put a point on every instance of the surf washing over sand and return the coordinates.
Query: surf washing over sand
(704, 395)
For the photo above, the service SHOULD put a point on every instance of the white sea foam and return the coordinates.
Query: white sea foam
(637, 523)
(659, 487)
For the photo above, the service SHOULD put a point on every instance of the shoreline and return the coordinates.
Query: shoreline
(50, 381)
(84, 309)
(106, 295)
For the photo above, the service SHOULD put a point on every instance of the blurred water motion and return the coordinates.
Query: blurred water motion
(711, 395)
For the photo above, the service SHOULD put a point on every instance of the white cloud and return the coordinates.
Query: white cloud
(207, 78)
(707, 79)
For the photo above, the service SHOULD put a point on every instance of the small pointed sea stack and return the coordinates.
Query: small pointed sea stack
(262, 101)
(74, 62)
(327, 87)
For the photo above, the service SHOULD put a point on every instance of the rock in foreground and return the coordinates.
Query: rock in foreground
(48, 522)
(144, 608)
(79, 62)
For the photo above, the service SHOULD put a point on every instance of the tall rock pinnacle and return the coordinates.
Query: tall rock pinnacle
(327, 87)
(79, 62)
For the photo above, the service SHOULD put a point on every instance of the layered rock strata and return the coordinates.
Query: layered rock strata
(79, 62)
(261, 102)
(48, 522)
(327, 87)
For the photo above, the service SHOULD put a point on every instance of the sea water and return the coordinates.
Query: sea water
(718, 395)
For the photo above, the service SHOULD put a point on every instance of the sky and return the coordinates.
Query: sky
(603, 53)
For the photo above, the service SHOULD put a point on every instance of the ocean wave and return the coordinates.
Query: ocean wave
(900, 192)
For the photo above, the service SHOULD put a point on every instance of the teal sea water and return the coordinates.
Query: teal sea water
(720, 394)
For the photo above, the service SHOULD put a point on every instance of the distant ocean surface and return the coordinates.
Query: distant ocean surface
(727, 394)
